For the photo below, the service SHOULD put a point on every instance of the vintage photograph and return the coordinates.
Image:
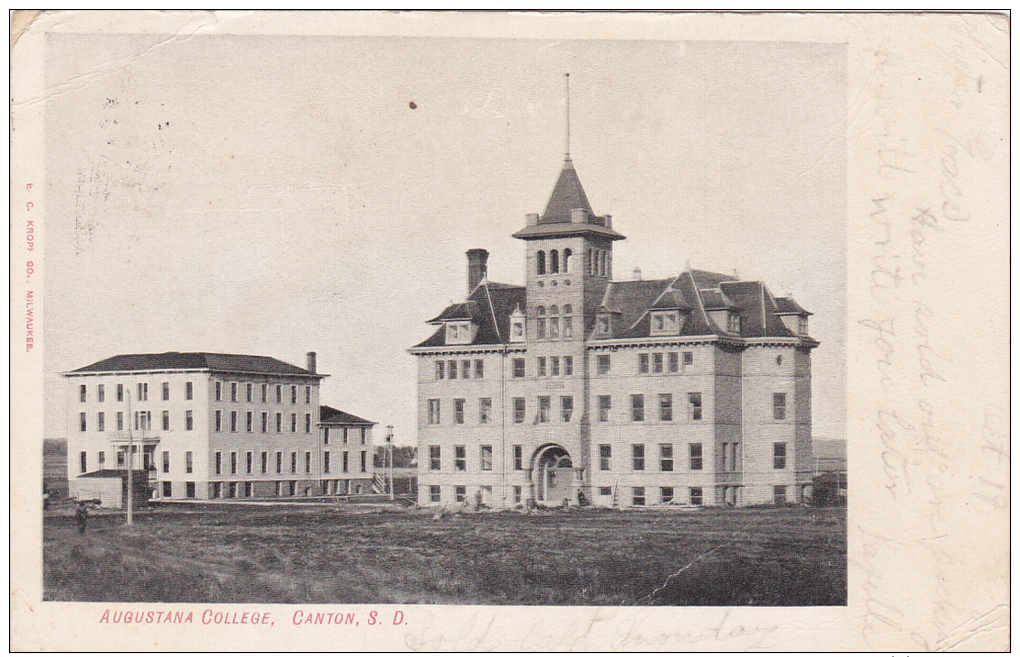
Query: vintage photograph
(435, 323)
(259, 299)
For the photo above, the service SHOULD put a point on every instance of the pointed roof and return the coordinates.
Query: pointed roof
(567, 195)
(491, 305)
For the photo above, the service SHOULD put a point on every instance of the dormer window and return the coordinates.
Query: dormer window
(802, 325)
(459, 333)
(733, 323)
(665, 322)
(517, 326)
(603, 326)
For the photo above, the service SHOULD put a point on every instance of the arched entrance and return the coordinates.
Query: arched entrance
(555, 475)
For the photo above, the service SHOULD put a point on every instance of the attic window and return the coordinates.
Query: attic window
(603, 326)
(733, 323)
(802, 326)
(665, 323)
(458, 333)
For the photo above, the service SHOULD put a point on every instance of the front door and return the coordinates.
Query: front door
(556, 477)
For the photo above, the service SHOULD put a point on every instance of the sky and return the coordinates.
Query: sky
(275, 195)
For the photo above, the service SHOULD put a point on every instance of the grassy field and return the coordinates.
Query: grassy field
(357, 554)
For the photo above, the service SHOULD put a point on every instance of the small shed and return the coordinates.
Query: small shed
(110, 488)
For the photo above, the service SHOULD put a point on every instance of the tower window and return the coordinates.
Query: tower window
(540, 322)
(540, 263)
(566, 261)
(554, 262)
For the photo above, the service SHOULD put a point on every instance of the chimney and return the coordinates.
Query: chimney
(476, 267)
(637, 273)
(311, 362)
(532, 218)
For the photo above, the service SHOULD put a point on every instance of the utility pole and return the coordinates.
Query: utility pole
(130, 459)
(389, 451)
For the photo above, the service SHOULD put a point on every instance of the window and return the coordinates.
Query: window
(433, 411)
(345, 435)
(100, 392)
(779, 406)
(518, 367)
(567, 408)
(779, 495)
(120, 458)
(665, 323)
(657, 363)
(364, 435)
(249, 416)
(541, 366)
(82, 393)
(642, 360)
(517, 494)
(120, 392)
(248, 387)
(666, 494)
(120, 420)
(189, 421)
(453, 369)
(143, 392)
(518, 457)
(265, 422)
(308, 394)
(602, 364)
(166, 420)
(265, 388)
(605, 491)
(605, 457)
(779, 360)
(459, 492)
(779, 456)
(233, 463)
(364, 461)
(264, 462)
(694, 405)
(345, 461)
(218, 460)
(279, 394)
(434, 494)
(688, 358)
(637, 408)
(279, 462)
(293, 422)
(637, 453)
(293, 394)
(540, 263)
(543, 409)
(83, 461)
(233, 421)
(166, 391)
(293, 462)
(435, 460)
(189, 462)
(233, 391)
(308, 462)
(517, 330)
(638, 496)
(554, 366)
(458, 411)
(605, 404)
(440, 370)
(189, 390)
(802, 325)
(308, 422)
(486, 454)
(279, 422)
(695, 493)
(554, 262)
(665, 407)
(218, 420)
(733, 322)
(459, 458)
(465, 369)
(674, 361)
(540, 322)
(665, 457)
(554, 324)
(568, 366)
(102, 459)
(101, 421)
(484, 410)
(695, 454)
(218, 391)
(519, 410)
(81, 422)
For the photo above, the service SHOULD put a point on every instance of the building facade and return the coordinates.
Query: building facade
(207, 425)
(694, 390)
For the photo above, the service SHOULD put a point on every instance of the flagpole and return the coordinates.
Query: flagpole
(389, 450)
(130, 459)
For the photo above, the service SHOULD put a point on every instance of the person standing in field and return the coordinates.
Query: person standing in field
(81, 516)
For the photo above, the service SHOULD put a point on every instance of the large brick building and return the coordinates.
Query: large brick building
(694, 389)
(208, 425)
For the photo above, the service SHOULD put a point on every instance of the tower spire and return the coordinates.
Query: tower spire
(567, 77)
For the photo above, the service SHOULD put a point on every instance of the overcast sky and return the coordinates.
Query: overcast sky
(274, 195)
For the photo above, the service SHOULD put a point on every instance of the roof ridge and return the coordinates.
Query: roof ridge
(661, 294)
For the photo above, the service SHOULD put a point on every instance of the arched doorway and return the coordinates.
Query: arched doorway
(555, 475)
